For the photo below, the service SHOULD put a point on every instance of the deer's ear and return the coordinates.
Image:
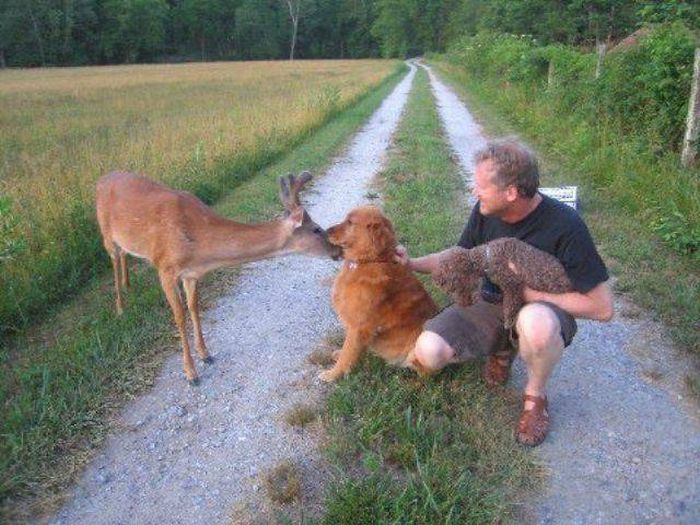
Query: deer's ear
(297, 216)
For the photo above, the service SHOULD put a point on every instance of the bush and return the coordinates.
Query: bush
(647, 87)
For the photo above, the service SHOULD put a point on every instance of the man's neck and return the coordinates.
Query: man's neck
(521, 209)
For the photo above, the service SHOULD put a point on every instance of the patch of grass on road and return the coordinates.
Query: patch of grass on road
(61, 381)
(410, 450)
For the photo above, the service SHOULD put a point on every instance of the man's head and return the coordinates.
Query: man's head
(506, 172)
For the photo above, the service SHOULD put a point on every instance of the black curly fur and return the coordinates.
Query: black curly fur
(512, 265)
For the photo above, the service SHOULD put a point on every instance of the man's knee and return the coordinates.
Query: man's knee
(538, 328)
(432, 351)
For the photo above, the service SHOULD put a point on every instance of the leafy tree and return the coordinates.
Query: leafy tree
(133, 30)
(258, 30)
(206, 25)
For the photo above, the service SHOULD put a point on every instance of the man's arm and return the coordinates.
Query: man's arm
(425, 264)
(596, 304)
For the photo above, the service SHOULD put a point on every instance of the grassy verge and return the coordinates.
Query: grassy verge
(63, 379)
(423, 451)
(646, 268)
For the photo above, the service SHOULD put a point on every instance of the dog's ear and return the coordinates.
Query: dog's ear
(382, 235)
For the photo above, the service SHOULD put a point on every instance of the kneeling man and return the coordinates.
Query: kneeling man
(506, 181)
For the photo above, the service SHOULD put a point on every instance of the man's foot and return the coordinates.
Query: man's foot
(497, 366)
(534, 421)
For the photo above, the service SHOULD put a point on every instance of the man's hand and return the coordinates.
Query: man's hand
(401, 255)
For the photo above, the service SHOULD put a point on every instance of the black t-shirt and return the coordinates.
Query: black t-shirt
(552, 227)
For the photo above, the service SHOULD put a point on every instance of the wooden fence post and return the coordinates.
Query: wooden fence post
(601, 55)
(690, 142)
(550, 74)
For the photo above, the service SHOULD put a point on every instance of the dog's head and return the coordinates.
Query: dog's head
(458, 274)
(365, 234)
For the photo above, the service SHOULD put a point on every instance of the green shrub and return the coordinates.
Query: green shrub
(647, 86)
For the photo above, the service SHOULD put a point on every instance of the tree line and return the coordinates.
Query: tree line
(83, 32)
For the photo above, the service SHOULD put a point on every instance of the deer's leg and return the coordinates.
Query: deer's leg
(354, 345)
(169, 284)
(124, 269)
(114, 254)
(190, 286)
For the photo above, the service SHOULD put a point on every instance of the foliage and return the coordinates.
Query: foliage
(62, 32)
(647, 86)
(643, 87)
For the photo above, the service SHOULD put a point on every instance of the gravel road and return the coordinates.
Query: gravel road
(193, 455)
(624, 445)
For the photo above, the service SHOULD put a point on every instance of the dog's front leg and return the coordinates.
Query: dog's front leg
(355, 343)
(512, 303)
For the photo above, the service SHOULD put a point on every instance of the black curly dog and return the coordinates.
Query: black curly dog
(509, 263)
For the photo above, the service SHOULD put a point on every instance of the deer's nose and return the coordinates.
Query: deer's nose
(336, 253)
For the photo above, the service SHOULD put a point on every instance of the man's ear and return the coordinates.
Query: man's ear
(512, 193)
(296, 216)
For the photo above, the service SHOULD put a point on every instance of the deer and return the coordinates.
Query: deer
(184, 240)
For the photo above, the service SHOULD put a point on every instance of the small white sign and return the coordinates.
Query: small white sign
(566, 194)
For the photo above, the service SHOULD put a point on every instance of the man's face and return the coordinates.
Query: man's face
(493, 199)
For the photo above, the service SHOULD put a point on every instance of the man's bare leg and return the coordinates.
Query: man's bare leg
(540, 346)
(433, 352)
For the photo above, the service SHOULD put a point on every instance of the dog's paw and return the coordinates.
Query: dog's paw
(327, 376)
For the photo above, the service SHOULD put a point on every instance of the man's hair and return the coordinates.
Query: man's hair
(515, 165)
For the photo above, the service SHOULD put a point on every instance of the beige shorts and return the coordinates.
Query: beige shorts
(477, 330)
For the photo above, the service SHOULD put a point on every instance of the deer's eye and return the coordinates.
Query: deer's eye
(318, 230)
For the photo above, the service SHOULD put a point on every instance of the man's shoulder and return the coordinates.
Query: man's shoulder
(557, 212)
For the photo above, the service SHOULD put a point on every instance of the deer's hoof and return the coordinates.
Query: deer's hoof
(194, 381)
(208, 360)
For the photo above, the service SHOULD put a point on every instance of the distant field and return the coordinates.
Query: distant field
(201, 127)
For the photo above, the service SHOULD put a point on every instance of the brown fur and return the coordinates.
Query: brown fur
(184, 239)
(380, 302)
(513, 264)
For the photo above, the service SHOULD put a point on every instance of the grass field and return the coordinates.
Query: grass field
(200, 127)
(62, 378)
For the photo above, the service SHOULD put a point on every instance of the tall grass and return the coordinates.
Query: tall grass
(200, 127)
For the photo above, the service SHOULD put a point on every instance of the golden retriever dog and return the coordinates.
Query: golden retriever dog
(379, 301)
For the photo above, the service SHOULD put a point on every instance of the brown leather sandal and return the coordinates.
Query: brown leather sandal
(534, 423)
(497, 366)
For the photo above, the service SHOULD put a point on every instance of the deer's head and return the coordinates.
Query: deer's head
(307, 236)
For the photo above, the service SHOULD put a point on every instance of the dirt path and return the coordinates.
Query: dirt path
(625, 443)
(193, 455)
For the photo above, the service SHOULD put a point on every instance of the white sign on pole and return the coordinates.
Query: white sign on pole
(566, 194)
